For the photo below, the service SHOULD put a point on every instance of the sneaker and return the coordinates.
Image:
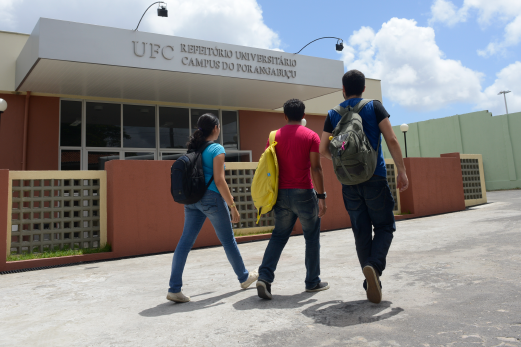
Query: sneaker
(252, 277)
(264, 289)
(177, 297)
(319, 287)
(374, 290)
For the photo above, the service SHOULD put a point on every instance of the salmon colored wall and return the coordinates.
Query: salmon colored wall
(255, 128)
(435, 186)
(42, 133)
(4, 214)
(142, 216)
(11, 132)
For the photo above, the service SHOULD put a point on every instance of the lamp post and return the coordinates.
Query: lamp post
(161, 11)
(3, 107)
(404, 127)
(339, 43)
(504, 96)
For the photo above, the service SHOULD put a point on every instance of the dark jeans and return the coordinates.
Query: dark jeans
(292, 204)
(370, 204)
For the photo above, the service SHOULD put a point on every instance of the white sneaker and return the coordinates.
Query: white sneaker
(253, 276)
(177, 297)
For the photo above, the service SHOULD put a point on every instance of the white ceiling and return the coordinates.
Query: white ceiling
(96, 80)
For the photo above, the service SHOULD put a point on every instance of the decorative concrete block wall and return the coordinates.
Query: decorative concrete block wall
(239, 177)
(56, 210)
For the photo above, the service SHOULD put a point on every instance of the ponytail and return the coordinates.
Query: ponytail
(205, 124)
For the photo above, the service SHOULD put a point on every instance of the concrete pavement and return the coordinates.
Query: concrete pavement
(452, 280)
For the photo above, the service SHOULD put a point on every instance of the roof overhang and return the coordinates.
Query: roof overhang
(67, 58)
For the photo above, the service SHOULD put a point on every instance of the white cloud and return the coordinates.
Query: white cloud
(230, 21)
(413, 70)
(446, 12)
(505, 11)
(7, 12)
(507, 79)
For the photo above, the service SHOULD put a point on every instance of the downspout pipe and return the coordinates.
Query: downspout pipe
(26, 125)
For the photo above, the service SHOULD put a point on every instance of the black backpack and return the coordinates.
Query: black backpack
(187, 177)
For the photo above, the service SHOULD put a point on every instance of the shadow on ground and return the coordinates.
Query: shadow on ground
(278, 302)
(169, 307)
(342, 314)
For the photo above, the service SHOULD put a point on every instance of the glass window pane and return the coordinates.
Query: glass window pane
(173, 127)
(139, 156)
(103, 124)
(229, 130)
(196, 113)
(70, 123)
(171, 156)
(139, 126)
(97, 160)
(237, 157)
(70, 160)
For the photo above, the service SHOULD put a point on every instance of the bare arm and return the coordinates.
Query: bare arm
(222, 186)
(318, 179)
(396, 153)
(324, 145)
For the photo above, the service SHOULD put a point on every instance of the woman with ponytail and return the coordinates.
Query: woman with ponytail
(214, 205)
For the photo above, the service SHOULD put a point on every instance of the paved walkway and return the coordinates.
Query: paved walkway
(452, 280)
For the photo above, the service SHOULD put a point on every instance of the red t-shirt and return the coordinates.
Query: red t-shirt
(294, 143)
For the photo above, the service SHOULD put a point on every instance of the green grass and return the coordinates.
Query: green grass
(255, 233)
(56, 254)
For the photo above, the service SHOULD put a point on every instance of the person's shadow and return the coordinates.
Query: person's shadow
(278, 302)
(342, 314)
(169, 307)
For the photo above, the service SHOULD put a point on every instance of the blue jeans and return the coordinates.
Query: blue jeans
(370, 204)
(293, 203)
(213, 206)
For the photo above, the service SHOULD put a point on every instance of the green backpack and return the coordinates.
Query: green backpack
(354, 159)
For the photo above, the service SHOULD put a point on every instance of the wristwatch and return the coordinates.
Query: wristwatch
(322, 196)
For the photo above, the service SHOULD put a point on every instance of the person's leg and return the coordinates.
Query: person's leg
(215, 208)
(305, 205)
(380, 205)
(194, 220)
(284, 221)
(360, 221)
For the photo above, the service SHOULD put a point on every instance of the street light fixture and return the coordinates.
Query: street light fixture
(504, 96)
(161, 11)
(404, 128)
(339, 43)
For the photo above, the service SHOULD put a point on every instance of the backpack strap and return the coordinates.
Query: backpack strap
(272, 136)
(355, 109)
(358, 107)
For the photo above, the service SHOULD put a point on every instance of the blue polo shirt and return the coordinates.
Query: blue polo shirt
(372, 114)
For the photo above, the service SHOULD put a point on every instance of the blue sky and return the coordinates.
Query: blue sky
(436, 58)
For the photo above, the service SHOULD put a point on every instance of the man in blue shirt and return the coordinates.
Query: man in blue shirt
(369, 204)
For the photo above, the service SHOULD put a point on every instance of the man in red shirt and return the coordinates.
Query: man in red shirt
(298, 158)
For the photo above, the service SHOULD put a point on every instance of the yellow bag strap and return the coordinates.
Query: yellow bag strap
(272, 136)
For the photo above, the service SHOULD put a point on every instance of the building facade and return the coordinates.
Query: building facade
(81, 95)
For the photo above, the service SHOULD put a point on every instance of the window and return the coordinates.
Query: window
(139, 126)
(174, 127)
(94, 133)
(103, 125)
(230, 130)
(70, 123)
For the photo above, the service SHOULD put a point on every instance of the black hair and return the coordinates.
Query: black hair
(205, 125)
(294, 109)
(353, 82)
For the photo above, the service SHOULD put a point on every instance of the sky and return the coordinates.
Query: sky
(435, 58)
